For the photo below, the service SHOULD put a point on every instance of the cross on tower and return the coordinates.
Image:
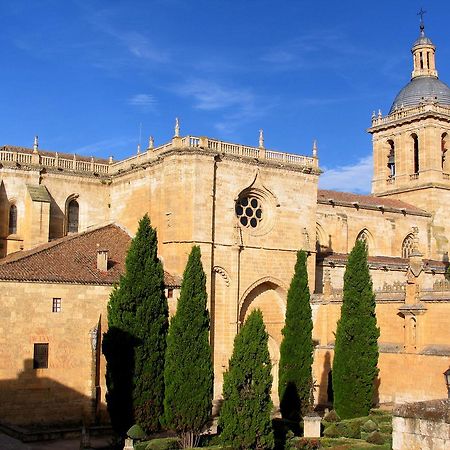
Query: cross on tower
(421, 14)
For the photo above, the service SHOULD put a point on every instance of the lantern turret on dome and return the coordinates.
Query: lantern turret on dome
(425, 85)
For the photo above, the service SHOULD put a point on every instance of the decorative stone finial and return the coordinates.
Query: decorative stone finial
(177, 127)
(373, 115)
(314, 148)
(138, 149)
(261, 138)
(36, 144)
(151, 142)
(379, 114)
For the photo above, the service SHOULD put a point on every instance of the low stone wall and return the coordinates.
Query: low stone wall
(421, 426)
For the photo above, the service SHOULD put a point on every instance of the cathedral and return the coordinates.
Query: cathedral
(66, 222)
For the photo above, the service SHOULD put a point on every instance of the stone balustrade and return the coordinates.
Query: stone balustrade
(403, 113)
(239, 150)
(57, 162)
(27, 158)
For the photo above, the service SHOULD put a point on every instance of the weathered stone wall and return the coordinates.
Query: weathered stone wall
(39, 222)
(65, 391)
(422, 426)
(340, 225)
(62, 392)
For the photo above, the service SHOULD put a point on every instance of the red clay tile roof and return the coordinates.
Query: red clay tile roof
(367, 202)
(73, 259)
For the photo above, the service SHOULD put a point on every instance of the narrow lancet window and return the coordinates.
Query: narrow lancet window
(444, 152)
(13, 219)
(73, 214)
(391, 159)
(416, 152)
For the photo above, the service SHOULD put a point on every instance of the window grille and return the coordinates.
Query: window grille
(56, 305)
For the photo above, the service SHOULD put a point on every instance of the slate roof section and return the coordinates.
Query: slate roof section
(349, 199)
(73, 259)
(39, 193)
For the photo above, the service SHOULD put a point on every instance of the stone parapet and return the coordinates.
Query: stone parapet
(421, 425)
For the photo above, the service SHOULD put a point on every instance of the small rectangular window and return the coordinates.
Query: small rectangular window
(56, 305)
(40, 356)
(169, 293)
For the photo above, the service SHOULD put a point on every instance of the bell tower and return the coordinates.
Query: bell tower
(410, 144)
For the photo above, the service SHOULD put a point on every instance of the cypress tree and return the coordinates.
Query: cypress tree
(135, 343)
(188, 369)
(245, 417)
(296, 350)
(356, 349)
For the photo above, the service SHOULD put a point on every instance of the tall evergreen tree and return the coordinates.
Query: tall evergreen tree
(356, 349)
(245, 417)
(188, 369)
(296, 351)
(135, 343)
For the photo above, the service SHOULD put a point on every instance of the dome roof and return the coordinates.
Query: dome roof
(422, 40)
(421, 89)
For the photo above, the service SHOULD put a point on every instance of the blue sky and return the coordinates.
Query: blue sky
(84, 74)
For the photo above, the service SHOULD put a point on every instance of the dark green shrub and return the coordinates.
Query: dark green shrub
(375, 438)
(369, 426)
(163, 444)
(352, 430)
(331, 416)
(305, 443)
(136, 432)
(331, 431)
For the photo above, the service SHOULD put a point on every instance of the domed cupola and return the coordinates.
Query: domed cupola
(425, 85)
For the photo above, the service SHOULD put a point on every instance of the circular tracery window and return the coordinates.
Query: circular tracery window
(249, 211)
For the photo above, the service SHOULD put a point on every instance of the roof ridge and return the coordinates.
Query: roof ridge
(24, 254)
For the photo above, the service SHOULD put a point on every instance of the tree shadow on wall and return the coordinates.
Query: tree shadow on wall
(326, 396)
(376, 392)
(35, 401)
(118, 348)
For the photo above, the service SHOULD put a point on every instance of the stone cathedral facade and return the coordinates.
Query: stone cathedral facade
(67, 220)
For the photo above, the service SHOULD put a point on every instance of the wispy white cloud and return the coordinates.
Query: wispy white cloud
(235, 105)
(144, 101)
(307, 50)
(138, 44)
(209, 95)
(106, 147)
(353, 177)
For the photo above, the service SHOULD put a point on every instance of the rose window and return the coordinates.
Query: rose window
(249, 211)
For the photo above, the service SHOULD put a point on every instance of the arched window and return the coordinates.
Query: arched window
(13, 219)
(391, 158)
(444, 151)
(364, 237)
(72, 216)
(407, 246)
(416, 152)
